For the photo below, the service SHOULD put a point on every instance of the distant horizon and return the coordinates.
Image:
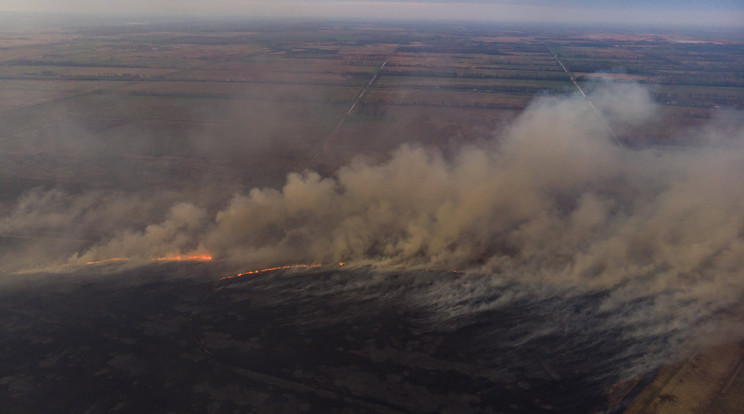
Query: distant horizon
(100, 20)
(717, 14)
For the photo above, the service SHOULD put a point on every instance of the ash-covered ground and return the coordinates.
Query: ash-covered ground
(175, 338)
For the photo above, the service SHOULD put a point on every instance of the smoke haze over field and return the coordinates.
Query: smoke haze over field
(550, 202)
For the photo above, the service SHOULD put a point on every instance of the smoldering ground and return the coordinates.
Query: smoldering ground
(514, 347)
(551, 202)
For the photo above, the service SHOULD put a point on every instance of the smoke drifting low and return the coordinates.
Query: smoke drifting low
(551, 201)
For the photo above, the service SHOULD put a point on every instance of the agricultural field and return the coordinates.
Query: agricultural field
(203, 100)
(526, 265)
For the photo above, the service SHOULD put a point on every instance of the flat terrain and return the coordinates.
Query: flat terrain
(174, 338)
(244, 103)
(711, 381)
(149, 114)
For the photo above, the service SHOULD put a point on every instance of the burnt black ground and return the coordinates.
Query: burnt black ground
(172, 338)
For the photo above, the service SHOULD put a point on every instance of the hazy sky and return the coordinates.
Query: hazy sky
(724, 13)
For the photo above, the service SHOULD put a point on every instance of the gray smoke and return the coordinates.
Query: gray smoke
(549, 198)
(550, 201)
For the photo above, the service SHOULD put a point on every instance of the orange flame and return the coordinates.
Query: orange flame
(268, 269)
(192, 258)
(207, 258)
(113, 259)
(195, 258)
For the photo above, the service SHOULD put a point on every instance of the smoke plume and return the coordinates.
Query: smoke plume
(550, 201)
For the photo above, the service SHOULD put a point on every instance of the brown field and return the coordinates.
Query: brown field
(245, 90)
(14, 97)
(473, 99)
(98, 73)
(154, 92)
(205, 111)
(264, 76)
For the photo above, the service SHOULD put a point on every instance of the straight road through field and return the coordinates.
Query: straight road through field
(581, 91)
(347, 115)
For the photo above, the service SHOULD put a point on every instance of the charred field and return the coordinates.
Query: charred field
(530, 219)
(174, 338)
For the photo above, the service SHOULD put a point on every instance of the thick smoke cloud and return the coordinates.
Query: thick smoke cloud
(550, 197)
(551, 201)
(421, 209)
